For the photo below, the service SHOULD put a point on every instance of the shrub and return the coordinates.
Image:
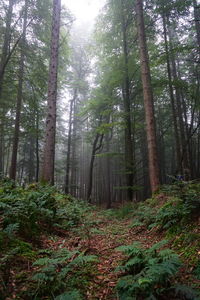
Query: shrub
(147, 272)
(36, 209)
(72, 213)
(183, 204)
(55, 273)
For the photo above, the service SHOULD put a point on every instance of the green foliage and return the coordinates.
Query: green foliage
(147, 272)
(36, 209)
(187, 243)
(144, 214)
(183, 204)
(72, 213)
(197, 270)
(185, 292)
(124, 211)
(26, 211)
(57, 273)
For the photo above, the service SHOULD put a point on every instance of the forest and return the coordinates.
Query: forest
(100, 151)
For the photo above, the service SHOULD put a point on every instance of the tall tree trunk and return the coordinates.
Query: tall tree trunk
(49, 148)
(37, 147)
(184, 146)
(74, 171)
(69, 142)
(13, 166)
(148, 100)
(173, 104)
(107, 177)
(197, 21)
(31, 162)
(5, 51)
(127, 111)
(6, 43)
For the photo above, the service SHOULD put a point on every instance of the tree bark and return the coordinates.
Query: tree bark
(197, 21)
(49, 148)
(172, 98)
(13, 167)
(127, 111)
(6, 43)
(95, 147)
(5, 51)
(148, 100)
(69, 142)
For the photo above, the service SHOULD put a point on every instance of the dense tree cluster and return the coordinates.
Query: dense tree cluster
(131, 121)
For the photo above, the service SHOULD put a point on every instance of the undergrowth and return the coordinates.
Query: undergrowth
(25, 215)
(60, 271)
(149, 274)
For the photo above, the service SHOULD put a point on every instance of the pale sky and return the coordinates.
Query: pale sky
(84, 10)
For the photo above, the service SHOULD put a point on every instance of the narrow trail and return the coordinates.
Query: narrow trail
(102, 241)
(100, 237)
(112, 234)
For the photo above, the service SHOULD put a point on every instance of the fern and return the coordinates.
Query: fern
(11, 229)
(150, 271)
(56, 272)
(185, 292)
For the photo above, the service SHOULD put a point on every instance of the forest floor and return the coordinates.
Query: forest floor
(44, 253)
(100, 236)
(109, 234)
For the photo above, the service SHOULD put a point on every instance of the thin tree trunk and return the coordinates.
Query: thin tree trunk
(108, 179)
(183, 145)
(13, 167)
(6, 43)
(49, 148)
(37, 147)
(74, 171)
(8, 157)
(4, 55)
(171, 92)
(197, 21)
(31, 163)
(148, 100)
(127, 110)
(69, 142)
(95, 147)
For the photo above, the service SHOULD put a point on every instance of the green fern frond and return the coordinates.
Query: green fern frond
(157, 246)
(11, 229)
(130, 249)
(135, 261)
(44, 261)
(186, 292)
(40, 277)
(84, 259)
(167, 254)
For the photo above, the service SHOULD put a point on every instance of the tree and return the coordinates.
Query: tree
(49, 148)
(148, 99)
(3, 61)
(13, 166)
